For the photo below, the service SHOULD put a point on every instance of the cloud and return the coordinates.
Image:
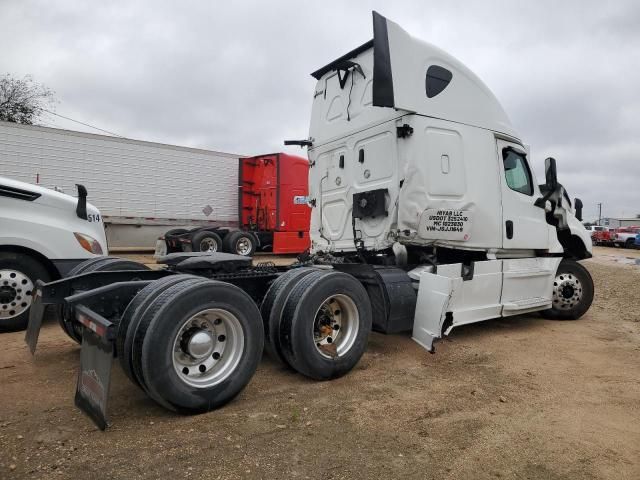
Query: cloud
(236, 77)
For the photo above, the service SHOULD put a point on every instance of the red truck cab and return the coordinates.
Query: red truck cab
(273, 201)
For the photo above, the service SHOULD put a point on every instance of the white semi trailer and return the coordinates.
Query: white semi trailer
(140, 187)
(426, 215)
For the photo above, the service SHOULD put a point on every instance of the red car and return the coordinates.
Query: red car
(603, 236)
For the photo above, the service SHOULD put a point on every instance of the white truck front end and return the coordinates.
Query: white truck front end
(43, 235)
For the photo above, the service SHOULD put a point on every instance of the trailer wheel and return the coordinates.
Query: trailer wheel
(202, 343)
(272, 306)
(102, 264)
(131, 318)
(18, 275)
(206, 241)
(240, 243)
(572, 292)
(325, 325)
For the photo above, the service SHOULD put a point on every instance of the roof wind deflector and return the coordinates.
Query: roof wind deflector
(340, 61)
(382, 88)
(382, 77)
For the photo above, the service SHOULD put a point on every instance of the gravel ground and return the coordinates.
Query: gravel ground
(521, 398)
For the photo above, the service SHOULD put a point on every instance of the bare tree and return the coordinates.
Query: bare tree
(22, 100)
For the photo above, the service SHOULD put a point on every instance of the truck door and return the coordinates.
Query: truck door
(524, 225)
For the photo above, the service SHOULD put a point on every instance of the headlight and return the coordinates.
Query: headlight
(90, 244)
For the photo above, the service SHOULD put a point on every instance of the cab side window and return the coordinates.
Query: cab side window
(517, 172)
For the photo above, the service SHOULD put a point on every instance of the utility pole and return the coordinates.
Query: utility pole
(599, 212)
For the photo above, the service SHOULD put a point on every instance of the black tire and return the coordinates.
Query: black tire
(572, 292)
(629, 243)
(18, 270)
(176, 231)
(200, 240)
(138, 335)
(78, 269)
(62, 313)
(240, 243)
(302, 314)
(272, 307)
(102, 264)
(131, 318)
(163, 321)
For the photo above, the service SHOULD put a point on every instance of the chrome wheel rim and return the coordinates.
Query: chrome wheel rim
(208, 348)
(16, 293)
(567, 291)
(243, 246)
(335, 326)
(208, 245)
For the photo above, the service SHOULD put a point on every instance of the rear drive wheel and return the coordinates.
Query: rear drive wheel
(240, 243)
(572, 292)
(629, 243)
(272, 306)
(103, 264)
(18, 275)
(206, 242)
(325, 325)
(131, 318)
(202, 344)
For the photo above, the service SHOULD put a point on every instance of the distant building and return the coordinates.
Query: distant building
(619, 222)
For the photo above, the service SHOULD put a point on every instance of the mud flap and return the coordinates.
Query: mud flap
(96, 360)
(94, 378)
(434, 294)
(36, 314)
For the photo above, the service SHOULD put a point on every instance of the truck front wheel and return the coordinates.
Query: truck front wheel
(572, 292)
(18, 275)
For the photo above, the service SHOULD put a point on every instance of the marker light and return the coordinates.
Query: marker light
(90, 244)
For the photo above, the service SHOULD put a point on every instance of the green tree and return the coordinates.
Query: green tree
(22, 100)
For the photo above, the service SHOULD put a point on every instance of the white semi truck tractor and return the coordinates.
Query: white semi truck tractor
(426, 215)
(44, 235)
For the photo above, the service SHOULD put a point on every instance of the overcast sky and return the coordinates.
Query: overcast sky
(234, 76)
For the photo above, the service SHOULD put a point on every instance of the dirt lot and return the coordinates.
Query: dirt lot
(518, 398)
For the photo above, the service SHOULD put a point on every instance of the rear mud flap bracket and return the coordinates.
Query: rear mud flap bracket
(36, 314)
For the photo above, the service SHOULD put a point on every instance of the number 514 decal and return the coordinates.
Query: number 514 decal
(93, 217)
